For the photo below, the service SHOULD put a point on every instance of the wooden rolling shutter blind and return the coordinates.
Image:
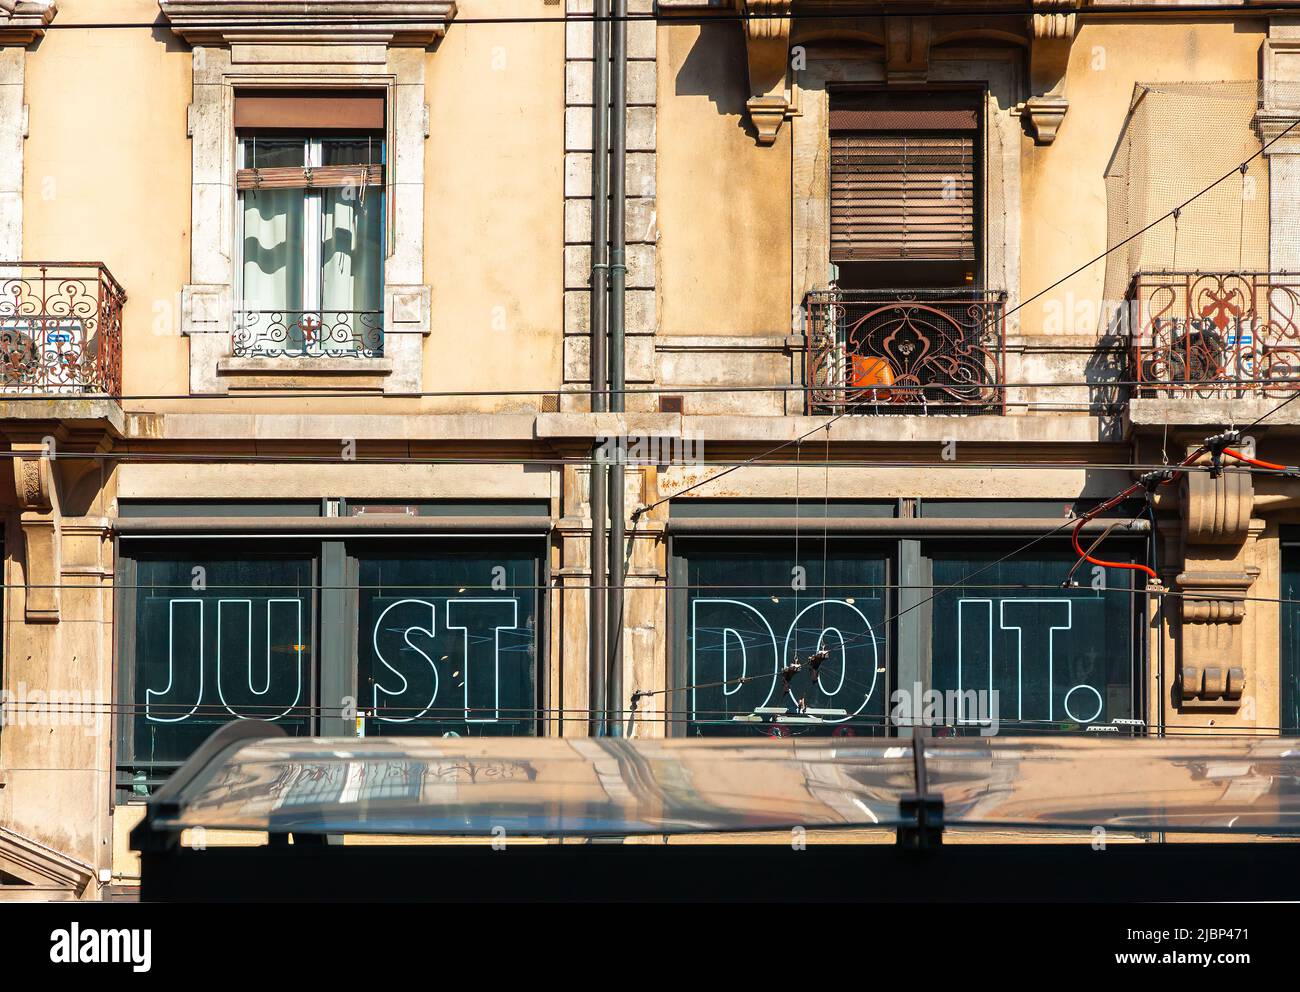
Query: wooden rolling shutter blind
(902, 183)
(311, 111)
(322, 176)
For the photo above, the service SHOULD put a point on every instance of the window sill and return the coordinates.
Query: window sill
(297, 373)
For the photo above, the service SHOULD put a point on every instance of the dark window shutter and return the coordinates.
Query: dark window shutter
(310, 110)
(902, 195)
(903, 172)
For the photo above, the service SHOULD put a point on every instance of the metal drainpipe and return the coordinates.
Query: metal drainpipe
(617, 374)
(598, 593)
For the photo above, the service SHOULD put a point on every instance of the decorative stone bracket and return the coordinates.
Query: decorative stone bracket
(39, 518)
(767, 47)
(1214, 584)
(1051, 33)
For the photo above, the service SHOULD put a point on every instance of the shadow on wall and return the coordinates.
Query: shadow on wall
(1105, 372)
(717, 67)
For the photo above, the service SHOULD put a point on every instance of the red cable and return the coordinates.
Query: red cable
(1115, 501)
(1074, 536)
(1085, 556)
(1256, 462)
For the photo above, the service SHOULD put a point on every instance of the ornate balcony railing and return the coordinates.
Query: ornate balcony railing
(309, 334)
(1212, 334)
(60, 329)
(906, 351)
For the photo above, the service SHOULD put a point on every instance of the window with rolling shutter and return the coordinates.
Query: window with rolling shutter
(310, 177)
(903, 182)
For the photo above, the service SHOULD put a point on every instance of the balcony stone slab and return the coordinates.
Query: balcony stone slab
(1154, 415)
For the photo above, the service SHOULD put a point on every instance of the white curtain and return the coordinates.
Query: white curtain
(351, 229)
(273, 259)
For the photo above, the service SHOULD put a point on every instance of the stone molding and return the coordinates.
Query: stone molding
(908, 40)
(1280, 109)
(385, 22)
(641, 229)
(23, 21)
(40, 865)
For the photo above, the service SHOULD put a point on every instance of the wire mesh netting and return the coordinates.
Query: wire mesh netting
(1208, 304)
(1177, 139)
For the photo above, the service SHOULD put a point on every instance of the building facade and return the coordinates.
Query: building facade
(297, 389)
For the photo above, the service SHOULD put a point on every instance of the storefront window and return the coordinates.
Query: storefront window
(1046, 657)
(1289, 609)
(447, 645)
(439, 638)
(970, 643)
(219, 639)
(751, 611)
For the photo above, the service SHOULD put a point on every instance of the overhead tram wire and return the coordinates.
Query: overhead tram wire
(1276, 382)
(1264, 469)
(659, 587)
(823, 14)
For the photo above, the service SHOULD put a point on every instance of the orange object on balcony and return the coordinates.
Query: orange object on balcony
(866, 372)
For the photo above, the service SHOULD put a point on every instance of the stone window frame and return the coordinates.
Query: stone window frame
(22, 22)
(265, 56)
(1001, 76)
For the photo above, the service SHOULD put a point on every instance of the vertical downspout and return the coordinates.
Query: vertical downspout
(598, 591)
(617, 372)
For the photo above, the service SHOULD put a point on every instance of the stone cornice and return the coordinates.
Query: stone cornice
(392, 22)
(23, 21)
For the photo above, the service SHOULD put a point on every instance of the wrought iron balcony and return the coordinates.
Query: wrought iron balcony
(1211, 334)
(60, 329)
(309, 334)
(927, 351)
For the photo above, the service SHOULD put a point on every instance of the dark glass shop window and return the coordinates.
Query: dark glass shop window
(218, 639)
(1289, 609)
(748, 614)
(1048, 657)
(447, 642)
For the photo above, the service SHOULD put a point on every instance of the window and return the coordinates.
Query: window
(1057, 658)
(448, 646)
(1289, 660)
(903, 181)
(217, 637)
(906, 326)
(1002, 640)
(311, 227)
(748, 614)
(439, 637)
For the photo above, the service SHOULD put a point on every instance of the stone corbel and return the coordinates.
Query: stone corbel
(38, 507)
(767, 46)
(1214, 584)
(1051, 33)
